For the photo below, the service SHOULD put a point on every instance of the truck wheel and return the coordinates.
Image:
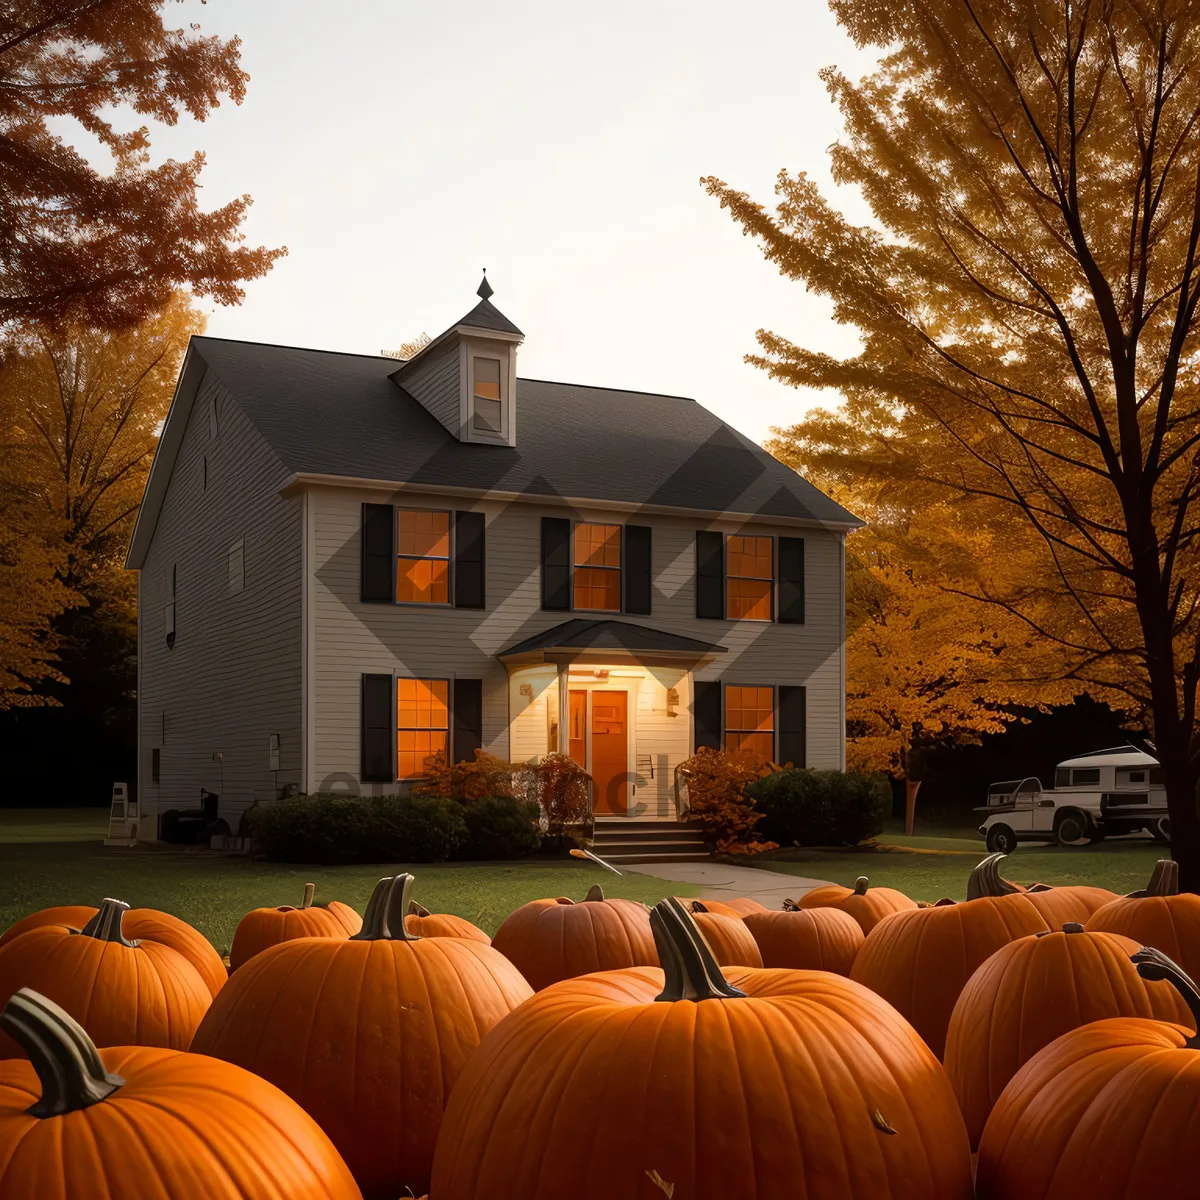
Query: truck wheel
(1001, 840)
(1161, 830)
(1070, 829)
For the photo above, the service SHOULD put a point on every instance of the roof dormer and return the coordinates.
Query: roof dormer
(467, 376)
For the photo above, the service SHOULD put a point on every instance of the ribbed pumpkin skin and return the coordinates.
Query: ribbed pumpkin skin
(592, 1084)
(815, 939)
(1106, 1112)
(732, 944)
(181, 1128)
(445, 925)
(139, 924)
(368, 1037)
(741, 905)
(1168, 923)
(146, 995)
(1062, 905)
(1032, 991)
(920, 961)
(547, 940)
(867, 909)
(265, 927)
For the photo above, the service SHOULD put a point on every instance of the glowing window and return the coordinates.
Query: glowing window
(750, 721)
(422, 557)
(422, 724)
(487, 412)
(598, 567)
(749, 570)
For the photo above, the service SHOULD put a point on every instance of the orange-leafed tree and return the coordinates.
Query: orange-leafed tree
(108, 246)
(1027, 304)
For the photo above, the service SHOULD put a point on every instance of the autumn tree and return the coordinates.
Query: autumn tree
(108, 246)
(80, 409)
(1026, 300)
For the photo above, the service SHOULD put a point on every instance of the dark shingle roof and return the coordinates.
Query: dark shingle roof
(485, 315)
(583, 634)
(339, 414)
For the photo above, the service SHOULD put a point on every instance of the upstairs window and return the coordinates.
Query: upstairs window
(749, 578)
(487, 415)
(598, 567)
(422, 724)
(422, 557)
(750, 721)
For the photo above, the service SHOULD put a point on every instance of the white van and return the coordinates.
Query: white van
(1094, 796)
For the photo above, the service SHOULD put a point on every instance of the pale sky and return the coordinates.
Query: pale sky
(397, 149)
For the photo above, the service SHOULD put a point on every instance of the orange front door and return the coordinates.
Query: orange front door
(577, 728)
(610, 752)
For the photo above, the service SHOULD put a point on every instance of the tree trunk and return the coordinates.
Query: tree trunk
(911, 787)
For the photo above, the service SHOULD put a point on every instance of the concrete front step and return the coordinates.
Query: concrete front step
(665, 835)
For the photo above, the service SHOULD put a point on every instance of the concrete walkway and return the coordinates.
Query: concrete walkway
(725, 881)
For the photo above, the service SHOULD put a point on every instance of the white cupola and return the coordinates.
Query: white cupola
(467, 376)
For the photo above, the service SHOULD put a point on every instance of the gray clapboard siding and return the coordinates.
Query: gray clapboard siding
(234, 675)
(351, 638)
(434, 381)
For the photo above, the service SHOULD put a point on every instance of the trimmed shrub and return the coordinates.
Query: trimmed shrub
(718, 799)
(331, 828)
(500, 827)
(820, 808)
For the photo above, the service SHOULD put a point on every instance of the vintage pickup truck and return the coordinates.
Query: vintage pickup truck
(1094, 796)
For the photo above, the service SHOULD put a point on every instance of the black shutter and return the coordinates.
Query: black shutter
(468, 719)
(793, 719)
(710, 574)
(636, 570)
(378, 553)
(556, 564)
(378, 729)
(468, 560)
(791, 580)
(706, 714)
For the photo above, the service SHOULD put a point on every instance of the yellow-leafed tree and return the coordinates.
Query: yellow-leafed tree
(1027, 301)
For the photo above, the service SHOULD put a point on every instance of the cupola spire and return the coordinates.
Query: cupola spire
(485, 291)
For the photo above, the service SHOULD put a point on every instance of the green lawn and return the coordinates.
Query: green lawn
(56, 857)
(936, 862)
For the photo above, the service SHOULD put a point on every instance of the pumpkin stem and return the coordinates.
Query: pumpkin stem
(310, 890)
(985, 880)
(384, 919)
(687, 962)
(1164, 880)
(67, 1063)
(106, 924)
(860, 885)
(417, 910)
(1154, 964)
(790, 905)
(595, 892)
(697, 906)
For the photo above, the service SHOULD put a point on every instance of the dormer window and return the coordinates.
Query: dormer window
(487, 410)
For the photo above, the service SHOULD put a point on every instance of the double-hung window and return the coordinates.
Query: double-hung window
(597, 565)
(487, 415)
(749, 578)
(422, 556)
(750, 721)
(422, 724)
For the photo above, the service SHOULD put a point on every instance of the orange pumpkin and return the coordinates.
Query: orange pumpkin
(1107, 1110)
(731, 943)
(131, 1121)
(367, 1034)
(740, 905)
(549, 940)
(426, 924)
(265, 927)
(920, 960)
(642, 1083)
(1158, 916)
(141, 925)
(813, 939)
(1034, 990)
(867, 905)
(1058, 905)
(124, 993)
